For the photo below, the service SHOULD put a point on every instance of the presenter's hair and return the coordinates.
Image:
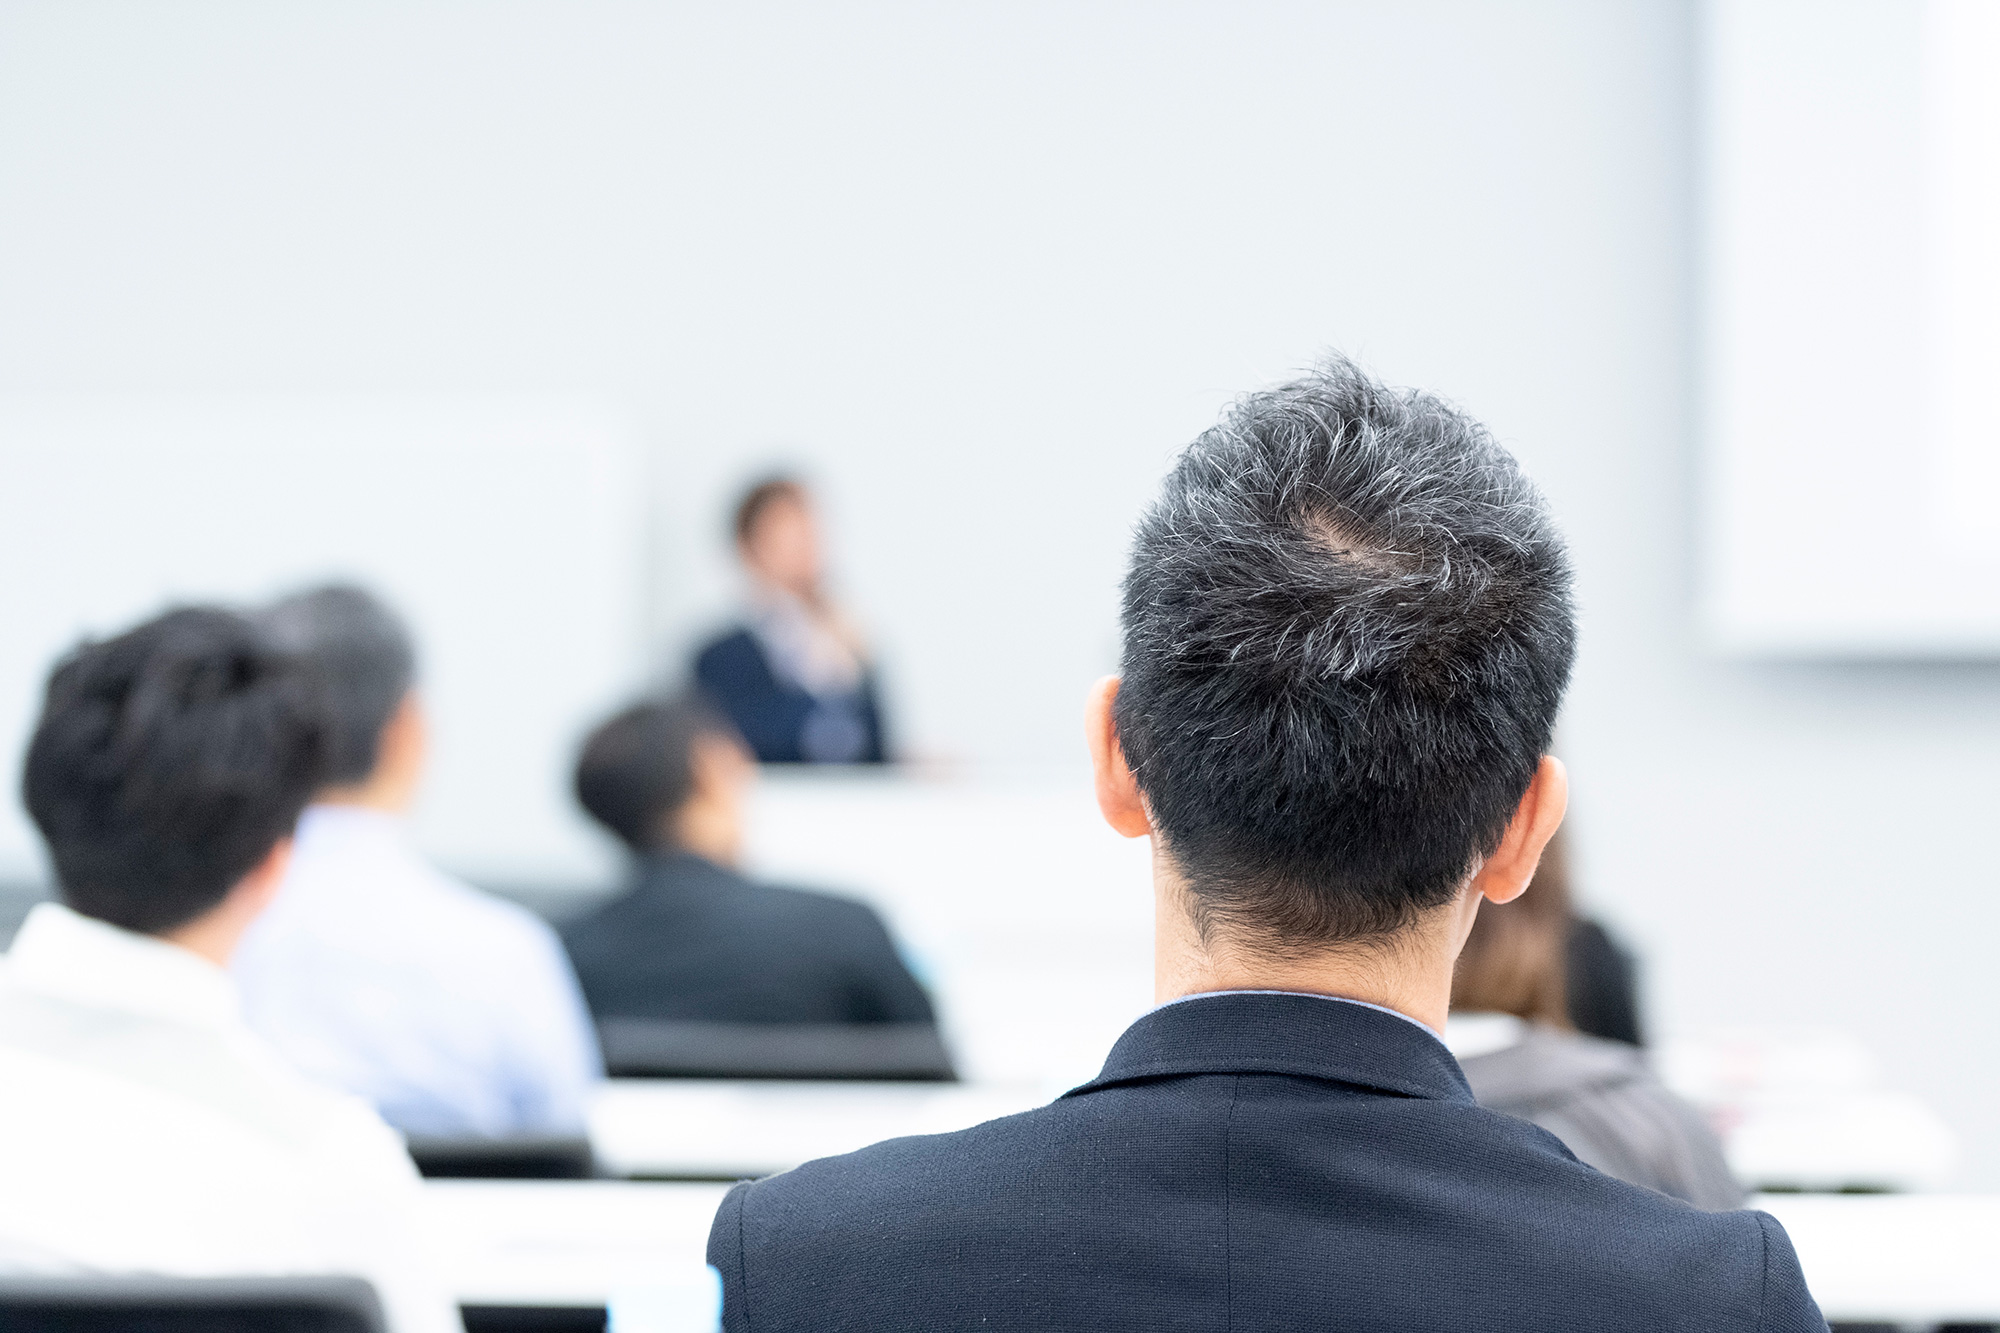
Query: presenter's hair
(762, 494)
(637, 768)
(1348, 630)
(167, 763)
(368, 661)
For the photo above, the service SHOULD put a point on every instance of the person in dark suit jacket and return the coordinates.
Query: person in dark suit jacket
(795, 678)
(693, 939)
(1348, 630)
(1603, 985)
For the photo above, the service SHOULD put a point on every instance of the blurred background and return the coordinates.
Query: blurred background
(498, 307)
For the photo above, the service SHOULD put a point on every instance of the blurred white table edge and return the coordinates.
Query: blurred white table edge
(554, 1244)
(1892, 1258)
(723, 1130)
(1896, 1258)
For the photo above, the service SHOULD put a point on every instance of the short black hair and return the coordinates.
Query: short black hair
(637, 767)
(367, 665)
(1348, 630)
(168, 761)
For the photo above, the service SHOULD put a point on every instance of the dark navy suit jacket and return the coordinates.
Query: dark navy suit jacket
(1249, 1162)
(777, 717)
(690, 940)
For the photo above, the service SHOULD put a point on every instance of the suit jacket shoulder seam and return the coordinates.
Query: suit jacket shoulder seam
(1228, 1237)
(1764, 1282)
(743, 1255)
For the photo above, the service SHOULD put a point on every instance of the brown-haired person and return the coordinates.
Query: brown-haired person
(795, 677)
(1512, 1033)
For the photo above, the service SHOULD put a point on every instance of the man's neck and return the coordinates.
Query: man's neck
(388, 798)
(709, 829)
(1409, 972)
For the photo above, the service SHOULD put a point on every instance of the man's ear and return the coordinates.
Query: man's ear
(405, 738)
(1117, 790)
(721, 765)
(215, 933)
(1505, 875)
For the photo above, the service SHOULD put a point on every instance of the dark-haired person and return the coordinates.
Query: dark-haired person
(143, 1127)
(795, 677)
(1347, 633)
(1512, 1032)
(691, 938)
(452, 1012)
(1603, 981)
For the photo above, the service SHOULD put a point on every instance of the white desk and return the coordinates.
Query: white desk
(721, 1130)
(1896, 1258)
(1891, 1258)
(568, 1243)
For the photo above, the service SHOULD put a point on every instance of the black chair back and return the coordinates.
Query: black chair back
(116, 1304)
(503, 1159)
(659, 1048)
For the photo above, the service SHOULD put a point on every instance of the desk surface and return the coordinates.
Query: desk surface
(722, 1130)
(1893, 1258)
(1896, 1258)
(568, 1243)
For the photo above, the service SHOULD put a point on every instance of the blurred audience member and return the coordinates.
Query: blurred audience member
(1511, 1031)
(144, 1128)
(453, 1012)
(693, 939)
(795, 677)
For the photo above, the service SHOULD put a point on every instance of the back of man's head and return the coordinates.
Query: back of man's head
(638, 767)
(1347, 633)
(168, 762)
(368, 663)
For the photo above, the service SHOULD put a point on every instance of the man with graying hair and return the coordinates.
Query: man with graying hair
(453, 1012)
(1348, 630)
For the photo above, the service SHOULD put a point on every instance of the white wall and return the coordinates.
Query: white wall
(513, 533)
(984, 267)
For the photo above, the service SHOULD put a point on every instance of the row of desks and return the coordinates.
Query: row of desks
(699, 1129)
(1895, 1258)
(1869, 1258)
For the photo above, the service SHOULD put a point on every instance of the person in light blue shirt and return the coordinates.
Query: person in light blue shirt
(453, 1012)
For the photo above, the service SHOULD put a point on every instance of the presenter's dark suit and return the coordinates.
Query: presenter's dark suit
(1246, 1162)
(690, 940)
(780, 721)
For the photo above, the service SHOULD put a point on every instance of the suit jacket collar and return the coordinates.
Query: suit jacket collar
(674, 873)
(1248, 1032)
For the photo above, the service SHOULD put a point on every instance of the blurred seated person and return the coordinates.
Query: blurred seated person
(691, 938)
(453, 1012)
(144, 1128)
(795, 677)
(1511, 1031)
(1603, 985)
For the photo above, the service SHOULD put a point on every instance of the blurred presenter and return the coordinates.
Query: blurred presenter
(795, 676)
(453, 1012)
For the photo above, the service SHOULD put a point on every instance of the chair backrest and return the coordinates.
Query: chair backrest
(503, 1159)
(120, 1304)
(659, 1048)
